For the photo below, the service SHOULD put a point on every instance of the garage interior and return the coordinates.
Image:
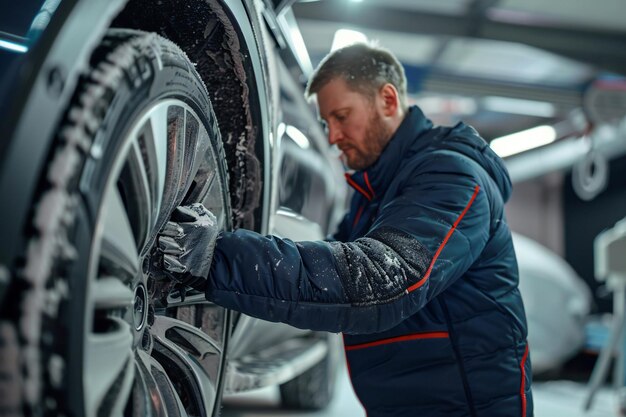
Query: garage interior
(550, 72)
(544, 82)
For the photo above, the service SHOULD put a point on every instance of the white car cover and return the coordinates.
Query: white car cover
(557, 302)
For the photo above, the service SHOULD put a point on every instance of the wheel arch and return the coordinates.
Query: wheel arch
(46, 80)
(222, 39)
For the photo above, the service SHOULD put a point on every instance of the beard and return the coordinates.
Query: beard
(376, 138)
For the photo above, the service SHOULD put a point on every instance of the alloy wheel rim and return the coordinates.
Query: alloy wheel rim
(132, 353)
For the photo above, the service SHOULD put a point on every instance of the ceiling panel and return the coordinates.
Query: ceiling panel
(502, 65)
(511, 62)
(412, 49)
(517, 21)
(451, 7)
(596, 14)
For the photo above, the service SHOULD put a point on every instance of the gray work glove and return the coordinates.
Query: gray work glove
(186, 246)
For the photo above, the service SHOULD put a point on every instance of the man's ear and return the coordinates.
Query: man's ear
(390, 99)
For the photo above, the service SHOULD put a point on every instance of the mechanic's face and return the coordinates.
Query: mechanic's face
(354, 123)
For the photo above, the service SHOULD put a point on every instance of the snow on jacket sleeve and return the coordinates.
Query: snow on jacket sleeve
(421, 242)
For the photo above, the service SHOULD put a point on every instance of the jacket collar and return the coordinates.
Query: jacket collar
(371, 181)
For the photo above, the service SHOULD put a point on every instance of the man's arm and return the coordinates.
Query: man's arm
(420, 244)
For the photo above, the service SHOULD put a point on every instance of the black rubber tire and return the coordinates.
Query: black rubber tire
(315, 388)
(41, 332)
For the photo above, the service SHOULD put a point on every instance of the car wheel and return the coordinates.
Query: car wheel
(314, 389)
(88, 328)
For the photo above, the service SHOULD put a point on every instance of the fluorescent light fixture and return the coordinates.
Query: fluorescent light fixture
(463, 106)
(298, 137)
(519, 106)
(346, 37)
(12, 46)
(523, 141)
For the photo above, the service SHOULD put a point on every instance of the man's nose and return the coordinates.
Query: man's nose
(334, 134)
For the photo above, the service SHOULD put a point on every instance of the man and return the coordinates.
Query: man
(422, 279)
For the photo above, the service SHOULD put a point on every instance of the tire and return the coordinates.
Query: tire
(314, 389)
(89, 330)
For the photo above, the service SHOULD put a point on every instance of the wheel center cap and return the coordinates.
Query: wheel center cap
(140, 307)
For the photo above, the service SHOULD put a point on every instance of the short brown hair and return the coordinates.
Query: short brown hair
(365, 67)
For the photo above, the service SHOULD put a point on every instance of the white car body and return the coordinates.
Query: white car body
(557, 302)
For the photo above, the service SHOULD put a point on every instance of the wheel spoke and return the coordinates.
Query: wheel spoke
(169, 144)
(109, 369)
(157, 142)
(110, 293)
(209, 188)
(213, 200)
(191, 356)
(186, 336)
(119, 249)
(193, 150)
(138, 183)
(155, 389)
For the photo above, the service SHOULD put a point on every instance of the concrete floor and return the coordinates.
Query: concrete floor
(266, 402)
(552, 399)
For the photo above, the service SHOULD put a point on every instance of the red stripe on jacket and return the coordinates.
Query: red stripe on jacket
(445, 241)
(358, 216)
(415, 336)
(523, 384)
(358, 187)
(369, 186)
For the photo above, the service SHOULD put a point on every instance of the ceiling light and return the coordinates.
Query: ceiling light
(346, 37)
(522, 141)
(519, 106)
(463, 106)
(12, 46)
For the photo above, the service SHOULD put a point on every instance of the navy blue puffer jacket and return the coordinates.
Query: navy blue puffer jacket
(422, 280)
